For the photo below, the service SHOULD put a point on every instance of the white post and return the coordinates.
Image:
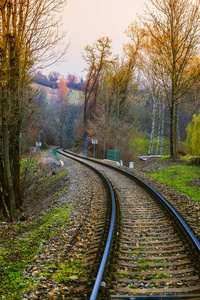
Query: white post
(131, 164)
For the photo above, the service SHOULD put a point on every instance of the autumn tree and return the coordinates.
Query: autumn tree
(60, 116)
(125, 77)
(97, 59)
(114, 108)
(120, 90)
(28, 35)
(173, 34)
(115, 84)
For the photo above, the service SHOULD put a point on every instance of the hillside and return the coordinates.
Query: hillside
(75, 97)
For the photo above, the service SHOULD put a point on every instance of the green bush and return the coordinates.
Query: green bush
(140, 146)
(193, 135)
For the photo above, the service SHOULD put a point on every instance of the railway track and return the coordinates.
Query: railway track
(153, 254)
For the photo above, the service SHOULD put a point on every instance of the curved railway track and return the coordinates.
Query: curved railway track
(153, 254)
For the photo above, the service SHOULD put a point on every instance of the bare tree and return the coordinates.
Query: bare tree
(111, 89)
(173, 36)
(97, 58)
(29, 33)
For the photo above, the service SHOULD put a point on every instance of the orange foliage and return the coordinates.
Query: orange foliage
(63, 90)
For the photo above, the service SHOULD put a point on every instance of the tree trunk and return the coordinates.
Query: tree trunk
(159, 127)
(3, 191)
(7, 164)
(16, 168)
(85, 112)
(162, 128)
(178, 127)
(117, 123)
(150, 152)
(15, 121)
(173, 130)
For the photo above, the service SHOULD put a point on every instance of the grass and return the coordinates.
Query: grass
(179, 178)
(157, 261)
(140, 146)
(20, 244)
(144, 267)
(132, 286)
(70, 270)
(49, 179)
(60, 192)
(29, 163)
(161, 276)
(136, 253)
(142, 244)
(140, 276)
(124, 275)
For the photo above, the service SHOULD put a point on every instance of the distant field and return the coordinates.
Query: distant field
(75, 97)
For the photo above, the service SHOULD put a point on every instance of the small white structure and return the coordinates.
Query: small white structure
(131, 164)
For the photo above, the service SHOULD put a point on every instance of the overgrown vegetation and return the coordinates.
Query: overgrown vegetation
(21, 25)
(180, 178)
(34, 169)
(69, 271)
(140, 146)
(193, 135)
(21, 243)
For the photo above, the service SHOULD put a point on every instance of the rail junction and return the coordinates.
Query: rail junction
(142, 248)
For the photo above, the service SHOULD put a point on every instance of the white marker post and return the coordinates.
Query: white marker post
(38, 144)
(131, 164)
(94, 142)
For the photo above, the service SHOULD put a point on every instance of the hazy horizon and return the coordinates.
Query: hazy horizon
(86, 21)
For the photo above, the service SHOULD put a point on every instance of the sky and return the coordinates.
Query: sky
(86, 21)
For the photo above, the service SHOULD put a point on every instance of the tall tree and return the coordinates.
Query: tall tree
(112, 117)
(121, 76)
(27, 36)
(115, 87)
(174, 34)
(97, 59)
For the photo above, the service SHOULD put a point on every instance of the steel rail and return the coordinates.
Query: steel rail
(167, 205)
(154, 193)
(107, 249)
(170, 208)
(104, 261)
